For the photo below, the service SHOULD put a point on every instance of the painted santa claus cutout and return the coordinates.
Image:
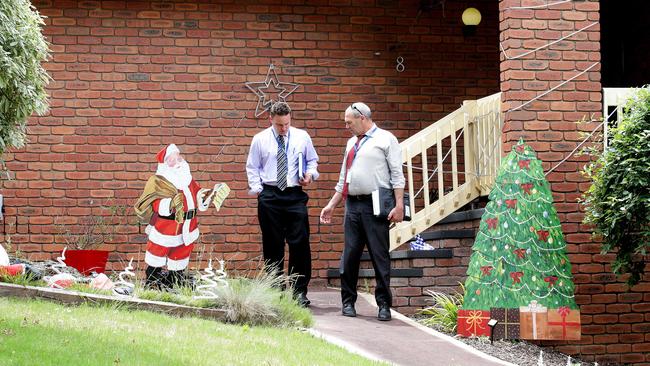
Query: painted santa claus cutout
(170, 201)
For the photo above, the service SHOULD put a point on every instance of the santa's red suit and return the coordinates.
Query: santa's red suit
(170, 242)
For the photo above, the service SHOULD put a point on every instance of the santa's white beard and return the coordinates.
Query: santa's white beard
(180, 175)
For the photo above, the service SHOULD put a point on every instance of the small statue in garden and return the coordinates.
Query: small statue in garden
(123, 286)
(170, 202)
(60, 279)
(4, 257)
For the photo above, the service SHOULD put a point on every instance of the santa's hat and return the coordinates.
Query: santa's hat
(165, 152)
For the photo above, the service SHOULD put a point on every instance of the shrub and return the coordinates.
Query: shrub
(22, 77)
(618, 202)
(260, 301)
(443, 314)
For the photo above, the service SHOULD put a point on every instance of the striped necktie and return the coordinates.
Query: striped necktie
(282, 164)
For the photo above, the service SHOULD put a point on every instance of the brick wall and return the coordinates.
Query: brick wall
(615, 322)
(132, 76)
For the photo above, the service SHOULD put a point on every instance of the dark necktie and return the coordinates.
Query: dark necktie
(282, 164)
(348, 164)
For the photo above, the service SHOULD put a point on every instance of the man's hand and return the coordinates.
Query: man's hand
(306, 180)
(396, 214)
(326, 214)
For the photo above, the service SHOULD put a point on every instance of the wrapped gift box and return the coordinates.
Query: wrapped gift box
(564, 324)
(533, 321)
(473, 323)
(508, 325)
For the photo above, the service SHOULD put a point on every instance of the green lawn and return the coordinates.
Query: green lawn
(34, 332)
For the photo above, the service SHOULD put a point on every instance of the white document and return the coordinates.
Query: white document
(375, 202)
(220, 191)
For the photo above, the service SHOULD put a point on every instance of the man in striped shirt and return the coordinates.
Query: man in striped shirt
(282, 160)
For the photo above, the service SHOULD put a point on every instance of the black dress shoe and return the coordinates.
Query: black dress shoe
(348, 310)
(303, 300)
(384, 313)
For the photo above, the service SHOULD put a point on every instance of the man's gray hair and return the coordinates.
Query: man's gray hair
(280, 109)
(359, 109)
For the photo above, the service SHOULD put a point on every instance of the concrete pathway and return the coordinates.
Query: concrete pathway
(400, 341)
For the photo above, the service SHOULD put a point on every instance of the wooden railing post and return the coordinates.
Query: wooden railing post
(481, 124)
(470, 148)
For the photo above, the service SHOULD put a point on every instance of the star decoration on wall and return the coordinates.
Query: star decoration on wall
(268, 89)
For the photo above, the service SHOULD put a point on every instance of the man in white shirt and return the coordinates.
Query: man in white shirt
(373, 159)
(281, 161)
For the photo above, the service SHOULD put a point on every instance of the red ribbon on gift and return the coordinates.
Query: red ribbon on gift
(473, 320)
(564, 311)
(492, 222)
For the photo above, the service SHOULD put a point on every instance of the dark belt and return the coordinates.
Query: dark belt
(360, 197)
(288, 189)
(188, 215)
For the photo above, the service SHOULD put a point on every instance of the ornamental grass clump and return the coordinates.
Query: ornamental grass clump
(261, 301)
(618, 202)
(443, 314)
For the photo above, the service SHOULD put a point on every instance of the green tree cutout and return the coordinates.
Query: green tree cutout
(519, 254)
(22, 77)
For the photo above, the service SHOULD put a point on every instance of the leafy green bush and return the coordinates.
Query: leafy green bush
(618, 201)
(443, 314)
(22, 77)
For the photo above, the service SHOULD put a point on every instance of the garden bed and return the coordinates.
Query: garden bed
(76, 298)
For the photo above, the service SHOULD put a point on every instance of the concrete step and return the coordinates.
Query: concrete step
(408, 254)
(462, 216)
(370, 273)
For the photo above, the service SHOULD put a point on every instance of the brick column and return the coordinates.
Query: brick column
(549, 125)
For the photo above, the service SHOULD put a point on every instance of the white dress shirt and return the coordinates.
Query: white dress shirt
(378, 163)
(261, 166)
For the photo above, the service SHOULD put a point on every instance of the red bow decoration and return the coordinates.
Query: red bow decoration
(511, 203)
(563, 311)
(551, 280)
(520, 148)
(516, 276)
(526, 187)
(486, 270)
(542, 235)
(521, 253)
(524, 164)
(492, 222)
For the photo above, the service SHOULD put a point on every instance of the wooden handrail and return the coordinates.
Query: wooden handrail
(477, 125)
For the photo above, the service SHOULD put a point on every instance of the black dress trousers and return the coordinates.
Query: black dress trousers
(283, 218)
(363, 228)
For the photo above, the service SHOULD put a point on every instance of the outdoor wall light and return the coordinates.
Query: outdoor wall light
(471, 18)
(492, 323)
